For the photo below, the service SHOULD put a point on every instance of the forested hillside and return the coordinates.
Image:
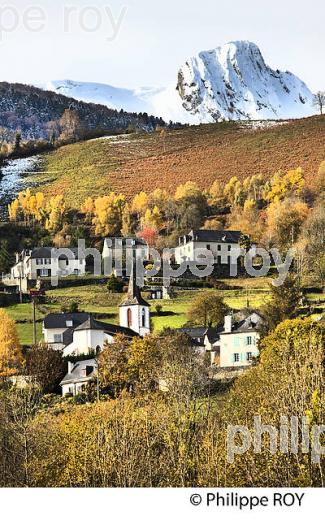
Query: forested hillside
(34, 113)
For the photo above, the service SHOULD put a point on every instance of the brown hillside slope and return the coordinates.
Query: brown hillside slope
(202, 154)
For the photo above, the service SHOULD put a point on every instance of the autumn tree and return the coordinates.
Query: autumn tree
(11, 358)
(285, 301)
(247, 219)
(284, 221)
(284, 185)
(88, 208)
(216, 196)
(55, 209)
(140, 204)
(113, 365)
(233, 191)
(314, 240)
(46, 366)
(108, 214)
(208, 309)
(126, 228)
(287, 383)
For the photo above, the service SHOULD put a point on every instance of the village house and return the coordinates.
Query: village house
(79, 333)
(78, 377)
(121, 249)
(221, 243)
(43, 262)
(235, 344)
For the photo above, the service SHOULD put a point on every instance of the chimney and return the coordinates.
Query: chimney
(228, 323)
(70, 367)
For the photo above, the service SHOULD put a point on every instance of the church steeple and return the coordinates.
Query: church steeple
(134, 294)
(134, 310)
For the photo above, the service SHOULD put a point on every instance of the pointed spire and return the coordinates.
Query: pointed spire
(134, 293)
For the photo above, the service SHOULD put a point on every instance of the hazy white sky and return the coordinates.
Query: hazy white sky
(143, 42)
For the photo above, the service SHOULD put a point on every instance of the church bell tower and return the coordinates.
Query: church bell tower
(134, 310)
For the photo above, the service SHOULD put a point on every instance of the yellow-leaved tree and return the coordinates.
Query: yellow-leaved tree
(108, 214)
(11, 358)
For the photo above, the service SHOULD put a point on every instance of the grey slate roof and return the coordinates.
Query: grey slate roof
(92, 324)
(195, 333)
(82, 371)
(252, 322)
(127, 241)
(206, 235)
(46, 252)
(59, 320)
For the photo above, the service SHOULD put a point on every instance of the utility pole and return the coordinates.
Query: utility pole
(34, 319)
(97, 380)
(20, 286)
(34, 293)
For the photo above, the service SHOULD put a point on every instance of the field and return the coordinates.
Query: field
(129, 164)
(97, 300)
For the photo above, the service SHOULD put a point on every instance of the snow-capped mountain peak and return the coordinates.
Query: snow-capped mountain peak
(231, 82)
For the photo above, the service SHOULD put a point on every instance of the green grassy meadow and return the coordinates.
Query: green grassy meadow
(97, 300)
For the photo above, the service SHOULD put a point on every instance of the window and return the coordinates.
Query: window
(98, 349)
(208, 247)
(39, 261)
(249, 356)
(249, 340)
(69, 323)
(143, 320)
(229, 248)
(236, 358)
(129, 318)
(219, 247)
(47, 261)
(57, 338)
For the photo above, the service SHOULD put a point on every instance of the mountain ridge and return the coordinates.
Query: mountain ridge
(231, 82)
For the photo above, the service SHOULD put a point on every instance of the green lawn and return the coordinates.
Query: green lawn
(96, 299)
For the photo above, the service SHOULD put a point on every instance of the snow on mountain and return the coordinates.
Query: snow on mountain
(231, 82)
(113, 97)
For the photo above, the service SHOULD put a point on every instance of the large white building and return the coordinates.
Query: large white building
(222, 244)
(117, 251)
(80, 333)
(44, 262)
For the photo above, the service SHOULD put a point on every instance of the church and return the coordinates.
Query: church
(79, 333)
